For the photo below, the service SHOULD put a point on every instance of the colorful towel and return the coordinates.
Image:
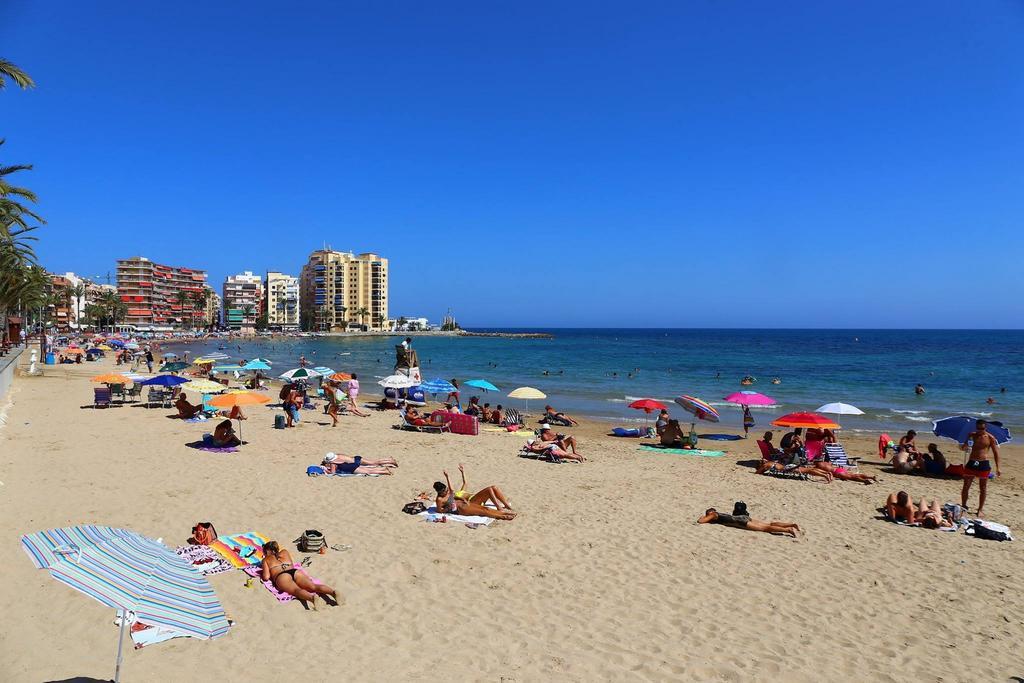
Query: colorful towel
(204, 559)
(241, 550)
(281, 597)
(683, 451)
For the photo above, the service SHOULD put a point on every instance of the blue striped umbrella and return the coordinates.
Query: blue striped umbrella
(129, 572)
(437, 386)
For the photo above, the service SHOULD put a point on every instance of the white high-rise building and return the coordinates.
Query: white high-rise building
(281, 301)
(241, 298)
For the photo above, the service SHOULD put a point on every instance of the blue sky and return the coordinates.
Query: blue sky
(837, 164)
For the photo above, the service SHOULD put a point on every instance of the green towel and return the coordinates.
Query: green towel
(683, 451)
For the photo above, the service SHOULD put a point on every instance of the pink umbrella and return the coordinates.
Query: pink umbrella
(750, 398)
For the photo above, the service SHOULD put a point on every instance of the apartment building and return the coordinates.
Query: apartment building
(342, 291)
(160, 297)
(241, 297)
(281, 301)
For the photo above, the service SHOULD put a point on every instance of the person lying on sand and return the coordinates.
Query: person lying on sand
(563, 441)
(554, 417)
(899, 508)
(224, 435)
(552, 448)
(448, 502)
(844, 474)
(356, 464)
(186, 411)
(234, 414)
(740, 519)
(931, 516)
(767, 466)
(279, 568)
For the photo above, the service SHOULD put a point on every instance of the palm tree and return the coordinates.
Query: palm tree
(11, 71)
(378, 320)
(362, 312)
(113, 305)
(199, 300)
(183, 298)
(78, 292)
(247, 312)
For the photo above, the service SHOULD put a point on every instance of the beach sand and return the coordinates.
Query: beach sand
(603, 576)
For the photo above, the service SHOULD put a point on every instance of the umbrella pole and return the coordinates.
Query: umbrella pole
(240, 442)
(120, 646)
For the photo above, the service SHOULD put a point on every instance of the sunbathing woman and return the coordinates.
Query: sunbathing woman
(843, 474)
(414, 417)
(448, 503)
(767, 466)
(489, 494)
(224, 435)
(279, 568)
(931, 516)
(741, 520)
(186, 411)
(552, 448)
(348, 464)
(563, 441)
(554, 417)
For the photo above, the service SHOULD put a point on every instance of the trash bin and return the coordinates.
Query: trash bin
(51, 359)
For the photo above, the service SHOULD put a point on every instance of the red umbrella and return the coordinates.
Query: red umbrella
(648, 405)
(808, 420)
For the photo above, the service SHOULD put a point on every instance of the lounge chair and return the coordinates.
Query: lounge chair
(838, 457)
(117, 392)
(512, 418)
(158, 397)
(446, 427)
(101, 397)
(546, 455)
(134, 394)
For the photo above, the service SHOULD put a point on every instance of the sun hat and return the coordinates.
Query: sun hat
(330, 457)
(545, 426)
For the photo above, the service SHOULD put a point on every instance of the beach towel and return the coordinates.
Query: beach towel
(198, 418)
(431, 514)
(990, 530)
(204, 559)
(683, 451)
(241, 550)
(318, 471)
(281, 597)
(207, 445)
(720, 437)
(144, 634)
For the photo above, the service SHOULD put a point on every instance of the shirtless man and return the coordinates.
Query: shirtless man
(900, 508)
(566, 443)
(978, 465)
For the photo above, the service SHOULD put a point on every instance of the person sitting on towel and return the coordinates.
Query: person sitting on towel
(497, 415)
(414, 417)
(279, 569)
(449, 502)
(740, 519)
(186, 411)
(356, 464)
(662, 422)
(224, 435)
(792, 443)
(553, 417)
(563, 441)
(486, 412)
(673, 436)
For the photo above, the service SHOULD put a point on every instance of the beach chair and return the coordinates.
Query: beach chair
(766, 451)
(158, 397)
(513, 418)
(101, 397)
(838, 457)
(117, 391)
(423, 428)
(814, 450)
(546, 455)
(134, 393)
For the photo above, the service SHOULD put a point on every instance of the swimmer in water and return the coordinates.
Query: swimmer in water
(919, 390)
(990, 401)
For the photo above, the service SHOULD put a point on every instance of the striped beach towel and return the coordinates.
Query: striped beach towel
(241, 550)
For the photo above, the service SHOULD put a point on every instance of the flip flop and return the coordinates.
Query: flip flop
(341, 546)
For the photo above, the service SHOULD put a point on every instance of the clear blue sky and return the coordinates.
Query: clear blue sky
(825, 164)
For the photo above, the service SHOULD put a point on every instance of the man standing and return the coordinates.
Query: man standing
(149, 360)
(980, 442)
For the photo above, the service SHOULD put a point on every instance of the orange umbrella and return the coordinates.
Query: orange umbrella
(72, 351)
(340, 377)
(806, 420)
(241, 398)
(111, 378)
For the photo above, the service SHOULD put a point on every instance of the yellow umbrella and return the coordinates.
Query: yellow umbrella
(526, 393)
(204, 386)
(104, 347)
(203, 361)
(111, 378)
(239, 398)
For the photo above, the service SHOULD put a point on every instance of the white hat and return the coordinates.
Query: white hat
(330, 457)
(545, 426)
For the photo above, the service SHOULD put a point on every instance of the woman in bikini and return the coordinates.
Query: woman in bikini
(345, 464)
(330, 391)
(449, 501)
(279, 568)
(843, 474)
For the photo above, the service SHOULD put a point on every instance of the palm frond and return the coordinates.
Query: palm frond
(16, 74)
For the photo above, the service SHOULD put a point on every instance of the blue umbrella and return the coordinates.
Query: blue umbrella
(255, 365)
(959, 427)
(437, 386)
(170, 355)
(165, 381)
(116, 342)
(481, 384)
(324, 370)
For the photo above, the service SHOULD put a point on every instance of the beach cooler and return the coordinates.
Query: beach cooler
(460, 423)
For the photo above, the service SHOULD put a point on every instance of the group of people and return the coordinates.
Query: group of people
(908, 460)
(549, 443)
(791, 456)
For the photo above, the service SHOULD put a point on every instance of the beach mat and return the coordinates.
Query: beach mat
(683, 451)
(204, 559)
(318, 471)
(281, 597)
(249, 548)
(720, 437)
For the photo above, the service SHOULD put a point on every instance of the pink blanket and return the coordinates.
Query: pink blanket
(281, 597)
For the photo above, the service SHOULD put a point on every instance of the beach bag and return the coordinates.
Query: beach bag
(414, 508)
(311, 541)
(315, 471)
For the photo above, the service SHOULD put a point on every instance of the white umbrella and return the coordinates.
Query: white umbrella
(300, 373)
(398, 382)
(839, 409)
(526, 393)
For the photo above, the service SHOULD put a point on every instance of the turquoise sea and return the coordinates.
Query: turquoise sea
(597, 372)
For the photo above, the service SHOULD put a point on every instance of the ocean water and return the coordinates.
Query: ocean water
(597, 372)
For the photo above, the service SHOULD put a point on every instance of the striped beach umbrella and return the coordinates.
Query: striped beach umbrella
(300, 373)
(437, 386)
(131, 573)
(701, 409)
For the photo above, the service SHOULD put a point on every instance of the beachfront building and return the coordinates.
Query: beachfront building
(211, 314)
(281, 301)
(159, 298)
(344, 291)
(241, 297)
(71, 294)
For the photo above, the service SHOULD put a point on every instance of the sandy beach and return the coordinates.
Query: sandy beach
(603, 576)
